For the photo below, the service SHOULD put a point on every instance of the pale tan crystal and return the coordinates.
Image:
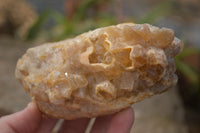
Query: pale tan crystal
(100, 72)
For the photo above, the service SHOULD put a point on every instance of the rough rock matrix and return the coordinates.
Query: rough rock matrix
(100, 72)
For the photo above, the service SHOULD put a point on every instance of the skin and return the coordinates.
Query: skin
(30, 120)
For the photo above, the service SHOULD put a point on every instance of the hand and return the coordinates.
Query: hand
(30, 120)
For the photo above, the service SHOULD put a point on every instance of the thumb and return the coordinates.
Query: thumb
(25, 121)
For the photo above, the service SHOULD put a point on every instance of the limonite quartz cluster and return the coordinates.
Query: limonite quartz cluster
(100, 72)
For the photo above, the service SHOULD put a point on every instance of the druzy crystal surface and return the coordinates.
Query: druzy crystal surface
(100, 72)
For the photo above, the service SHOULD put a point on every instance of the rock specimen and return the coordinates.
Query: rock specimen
(100, 72)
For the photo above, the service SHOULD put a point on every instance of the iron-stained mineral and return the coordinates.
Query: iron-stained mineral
(100, 72)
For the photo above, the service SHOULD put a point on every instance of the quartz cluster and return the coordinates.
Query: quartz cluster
(100, 72)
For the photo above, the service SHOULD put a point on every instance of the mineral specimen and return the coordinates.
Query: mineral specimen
(100, 72)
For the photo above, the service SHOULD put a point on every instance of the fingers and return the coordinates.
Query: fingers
(30, 120)
(24, 121)
(46, 125)
(118, 123)
(74, 126)
(101, 124)
(122, 122)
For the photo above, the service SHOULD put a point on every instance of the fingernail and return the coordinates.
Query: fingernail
(31, 105)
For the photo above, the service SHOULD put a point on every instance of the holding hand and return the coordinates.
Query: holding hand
(30, 120)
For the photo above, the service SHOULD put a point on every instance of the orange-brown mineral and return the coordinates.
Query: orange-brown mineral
(100, 72)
